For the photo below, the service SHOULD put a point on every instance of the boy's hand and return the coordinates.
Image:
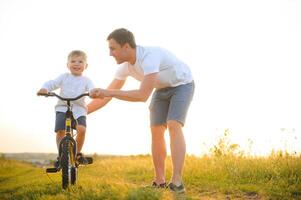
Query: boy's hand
(98, 93)
(42, 91)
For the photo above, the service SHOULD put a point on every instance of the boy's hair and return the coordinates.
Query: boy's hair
(123, 36)
(77, 53)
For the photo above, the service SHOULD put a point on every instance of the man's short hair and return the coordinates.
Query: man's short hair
(123, 36)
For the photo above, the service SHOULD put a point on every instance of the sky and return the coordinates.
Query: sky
(244, 56)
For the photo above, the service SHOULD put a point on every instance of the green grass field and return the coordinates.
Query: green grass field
(215, 177)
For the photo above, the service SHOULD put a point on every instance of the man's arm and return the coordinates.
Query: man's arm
(142, 94)
(96, 104)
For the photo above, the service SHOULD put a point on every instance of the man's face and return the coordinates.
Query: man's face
(117, 51)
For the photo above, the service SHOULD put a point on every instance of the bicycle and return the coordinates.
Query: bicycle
(67, 146)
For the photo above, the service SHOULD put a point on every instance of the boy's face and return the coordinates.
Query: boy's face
(76, 65)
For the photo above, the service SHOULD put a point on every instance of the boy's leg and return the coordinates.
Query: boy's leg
(80, 125)
(59, 127)
(59, 136)
(80, 137)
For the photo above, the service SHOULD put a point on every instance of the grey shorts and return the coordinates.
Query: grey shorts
(60, 121)
(171, 103)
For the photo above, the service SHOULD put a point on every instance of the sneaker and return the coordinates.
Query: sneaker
(178, 189)
(162, 185)
(81, 159)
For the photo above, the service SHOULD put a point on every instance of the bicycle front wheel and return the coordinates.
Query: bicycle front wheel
(73, 175)
(65, 164)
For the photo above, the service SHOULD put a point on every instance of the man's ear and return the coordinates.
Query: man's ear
(86, 66)
(127, 46)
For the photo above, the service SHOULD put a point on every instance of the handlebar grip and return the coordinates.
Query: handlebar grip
(46, 95)
(42, 94)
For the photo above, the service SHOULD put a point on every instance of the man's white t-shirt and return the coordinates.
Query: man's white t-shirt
(171, 71)
(71, 86)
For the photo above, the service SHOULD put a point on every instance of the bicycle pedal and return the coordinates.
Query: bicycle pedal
(52, 170)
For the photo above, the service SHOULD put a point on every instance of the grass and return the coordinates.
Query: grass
(207, 177)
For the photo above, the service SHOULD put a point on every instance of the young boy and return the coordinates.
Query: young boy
(71, 85)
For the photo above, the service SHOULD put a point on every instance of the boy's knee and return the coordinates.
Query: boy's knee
(81, 129)
(60, 133)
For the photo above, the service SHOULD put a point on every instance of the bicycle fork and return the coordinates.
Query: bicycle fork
(70, 147)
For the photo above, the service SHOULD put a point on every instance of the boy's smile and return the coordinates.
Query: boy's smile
(77, 65)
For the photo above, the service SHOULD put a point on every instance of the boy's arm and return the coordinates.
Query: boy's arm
(96, 104)
(90, 85)
(51, 85)
(55, 83)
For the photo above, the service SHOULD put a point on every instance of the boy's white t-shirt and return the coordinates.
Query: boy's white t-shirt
(71, 86)
(171, 71)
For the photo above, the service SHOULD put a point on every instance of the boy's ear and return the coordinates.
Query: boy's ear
(86, 66)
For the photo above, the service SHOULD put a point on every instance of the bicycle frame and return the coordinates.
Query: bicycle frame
(69, 136)
(67, 146)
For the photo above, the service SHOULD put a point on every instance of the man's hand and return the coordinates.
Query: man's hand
(99, 93)
(42, 91)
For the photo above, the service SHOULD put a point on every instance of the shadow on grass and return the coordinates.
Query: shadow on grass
(146, 193)
(149, 193)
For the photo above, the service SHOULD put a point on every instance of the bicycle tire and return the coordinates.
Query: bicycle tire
(73, 175)
(65, 163)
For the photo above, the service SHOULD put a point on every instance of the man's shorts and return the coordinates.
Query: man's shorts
(60, 121)
(171, 103)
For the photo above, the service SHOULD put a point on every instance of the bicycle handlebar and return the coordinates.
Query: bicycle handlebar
(52, 94)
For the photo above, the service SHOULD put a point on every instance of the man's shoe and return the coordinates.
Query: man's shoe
(154, 185)
(178, 189)
(162, 185)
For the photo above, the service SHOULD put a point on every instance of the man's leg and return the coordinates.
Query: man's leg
(80, 137)
(178, 108)
(159, 152)
(178, 150)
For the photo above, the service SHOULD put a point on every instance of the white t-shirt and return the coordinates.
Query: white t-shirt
(171, 71)
(71, 86)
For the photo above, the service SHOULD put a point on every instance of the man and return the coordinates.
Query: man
(157, 69)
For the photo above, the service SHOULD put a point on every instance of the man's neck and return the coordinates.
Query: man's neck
(132, 56)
